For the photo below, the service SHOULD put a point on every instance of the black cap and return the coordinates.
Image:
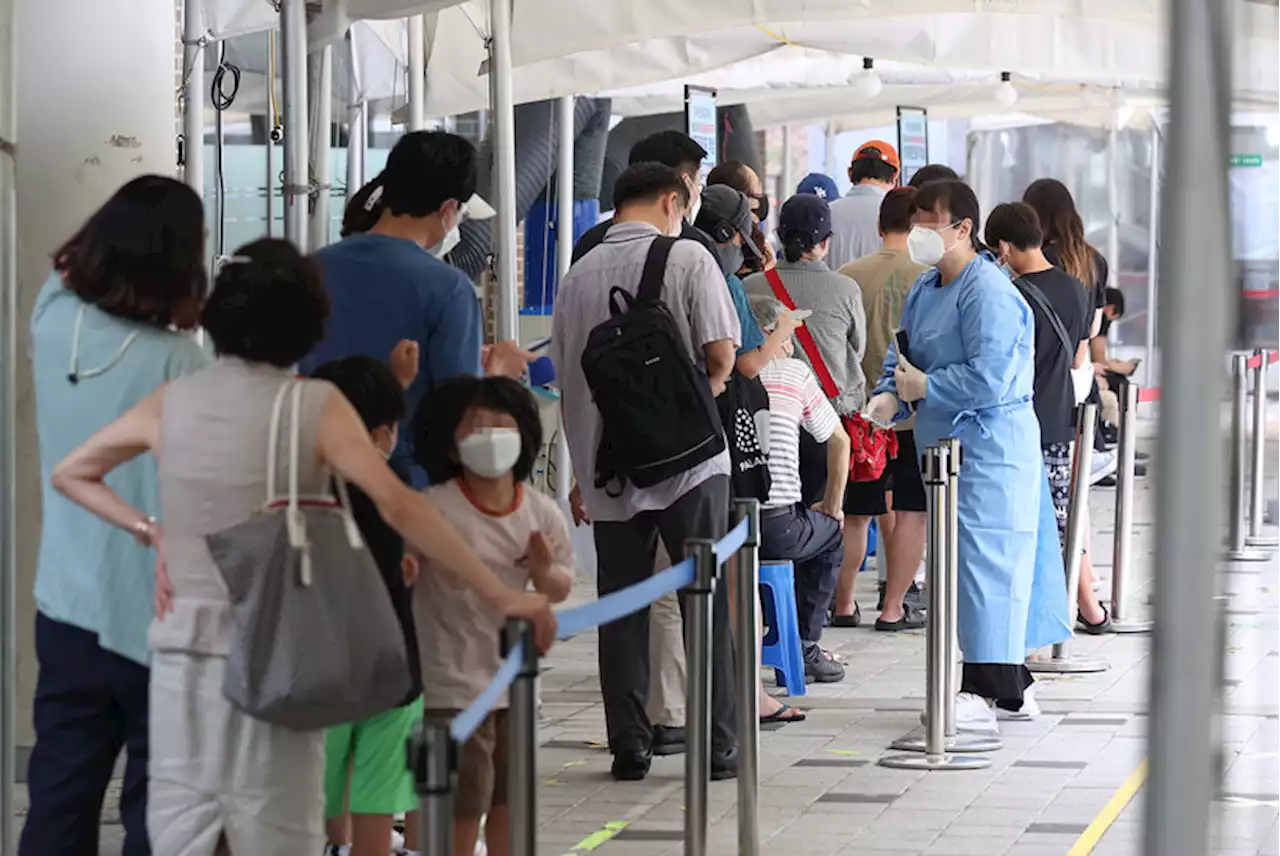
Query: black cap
(724, 212)
(807, 214)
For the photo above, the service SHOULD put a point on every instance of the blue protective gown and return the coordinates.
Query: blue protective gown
(974, 339)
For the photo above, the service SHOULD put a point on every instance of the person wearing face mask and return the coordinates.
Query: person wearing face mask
(384, 288)
(366, 782)
(968, 373)
(746, 181)
(478, 439)
(651, 200)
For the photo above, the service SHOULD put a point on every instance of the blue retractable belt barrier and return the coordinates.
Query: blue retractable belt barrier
(571, 622)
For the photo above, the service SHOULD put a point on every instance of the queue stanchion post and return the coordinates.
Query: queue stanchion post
(1238, 549)
(697, 763)
(1258, 462)
(433, 758)
(954, 740)
(746, 571)
(1061, 660)
(1127, 452)
(522, 737)
(937, 647)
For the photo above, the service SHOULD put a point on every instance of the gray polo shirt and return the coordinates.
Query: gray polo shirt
(693, 290)
(855, 225)
(838, 324)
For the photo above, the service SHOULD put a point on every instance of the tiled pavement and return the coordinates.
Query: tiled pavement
(821, 792)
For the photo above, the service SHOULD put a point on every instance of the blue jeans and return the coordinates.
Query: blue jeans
(90, 703)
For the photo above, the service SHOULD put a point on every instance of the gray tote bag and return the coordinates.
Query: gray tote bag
(315, 638)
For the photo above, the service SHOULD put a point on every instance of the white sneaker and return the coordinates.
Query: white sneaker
(973, 713)
(397, 841)
(1104, 464)
(1030, 708)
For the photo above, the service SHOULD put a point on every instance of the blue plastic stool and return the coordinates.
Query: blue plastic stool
(782, 650)
(872, 539)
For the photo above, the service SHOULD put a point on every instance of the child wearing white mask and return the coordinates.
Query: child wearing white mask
(478, 438)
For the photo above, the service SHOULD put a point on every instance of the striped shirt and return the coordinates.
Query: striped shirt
(795, 400)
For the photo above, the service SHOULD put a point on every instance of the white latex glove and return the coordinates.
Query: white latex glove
(912, 383)
(881, 409)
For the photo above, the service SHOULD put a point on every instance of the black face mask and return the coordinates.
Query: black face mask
(762, 212)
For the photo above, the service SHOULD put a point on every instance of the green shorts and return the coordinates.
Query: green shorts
(373, 752)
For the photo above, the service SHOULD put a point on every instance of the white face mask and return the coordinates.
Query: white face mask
(490, 452)
(451, 239)
(695, 205)
(925, 246)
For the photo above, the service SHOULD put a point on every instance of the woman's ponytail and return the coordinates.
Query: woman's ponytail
(795, 245)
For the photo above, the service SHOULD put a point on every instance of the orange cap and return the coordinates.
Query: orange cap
(879, 150)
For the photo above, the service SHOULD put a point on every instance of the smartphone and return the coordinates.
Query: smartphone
(801, 314)
(900, 338)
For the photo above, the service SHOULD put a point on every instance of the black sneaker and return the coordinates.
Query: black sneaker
(667, 740)
(915, 599)
(631, 766)
(724, 766)
(912, 619)
(820, 669)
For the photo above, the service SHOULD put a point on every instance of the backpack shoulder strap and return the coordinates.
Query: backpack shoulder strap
(1033, 293)
(655, 269)
(807, 344)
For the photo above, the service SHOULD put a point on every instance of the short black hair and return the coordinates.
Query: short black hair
(1114, 298)
(731, 174)
(425, 169)
(645, 182)
(896, 209)
(933, 172)
(1015, 223)
(956, 198)
(672, 148)
(435, 425)
(874, 169)
(369, 385)
(360, 215)
(141, 255)
(267, 305)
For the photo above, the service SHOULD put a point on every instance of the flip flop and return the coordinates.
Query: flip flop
(781, 716)
(1102, 628)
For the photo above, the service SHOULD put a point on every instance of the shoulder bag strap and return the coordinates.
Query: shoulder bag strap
(273, 440)
(809, 346)
(655, 269)
(1035, 295)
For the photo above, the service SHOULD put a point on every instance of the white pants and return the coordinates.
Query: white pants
(666, 655)
(218, 775)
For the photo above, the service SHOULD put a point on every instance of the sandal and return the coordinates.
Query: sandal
(854, 620)
(783, 715)
(1102, 628)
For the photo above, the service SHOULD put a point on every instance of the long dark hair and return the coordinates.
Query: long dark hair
(1062, 226)
(141, 255)
(364, 209)
(956, 198)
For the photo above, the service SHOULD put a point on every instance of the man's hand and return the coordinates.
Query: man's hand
(164, 586)
(577, 508)
(506, 359)
(831, 509)
(404, 362)
(787, 323)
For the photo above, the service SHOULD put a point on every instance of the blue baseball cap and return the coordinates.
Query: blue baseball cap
(819, 185)
(806, 214)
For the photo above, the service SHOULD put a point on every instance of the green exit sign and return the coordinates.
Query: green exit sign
(1246, 160)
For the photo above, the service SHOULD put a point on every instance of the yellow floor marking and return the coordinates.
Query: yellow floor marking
(595, 839)
(1090, 837)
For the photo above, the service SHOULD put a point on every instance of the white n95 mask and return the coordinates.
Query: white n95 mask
(925, 246)
(490, 452)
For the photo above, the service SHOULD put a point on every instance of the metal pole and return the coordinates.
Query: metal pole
(321, 63)
(1257, 470)
(9, 823)
(1073, 550)
(433, 757)
(788, 183)
(271, 185)
(219, 190)
(1237, 549)
(193, 41)
(417, 75)
(746, 571)
(1153, 252)
(355, 123)
(951, 623)
(1127, 450)
(697, 765)
(1113, 197)
(504, 154)
(564, 254)
(522, 724)
(1186, 652)
(937, 644)
(297, 170)
(272, 126)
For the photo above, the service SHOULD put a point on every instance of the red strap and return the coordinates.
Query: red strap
(809, 346)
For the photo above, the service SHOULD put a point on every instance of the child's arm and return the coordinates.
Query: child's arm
(550, 560)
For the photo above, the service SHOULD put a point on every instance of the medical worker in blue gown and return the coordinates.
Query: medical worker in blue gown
(968, 374)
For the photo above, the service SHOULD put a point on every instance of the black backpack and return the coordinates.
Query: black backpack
(658, 415)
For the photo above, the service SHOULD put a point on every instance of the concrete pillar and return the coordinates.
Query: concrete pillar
(96, 107)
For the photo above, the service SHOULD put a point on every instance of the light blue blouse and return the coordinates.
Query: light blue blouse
(91, 574)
